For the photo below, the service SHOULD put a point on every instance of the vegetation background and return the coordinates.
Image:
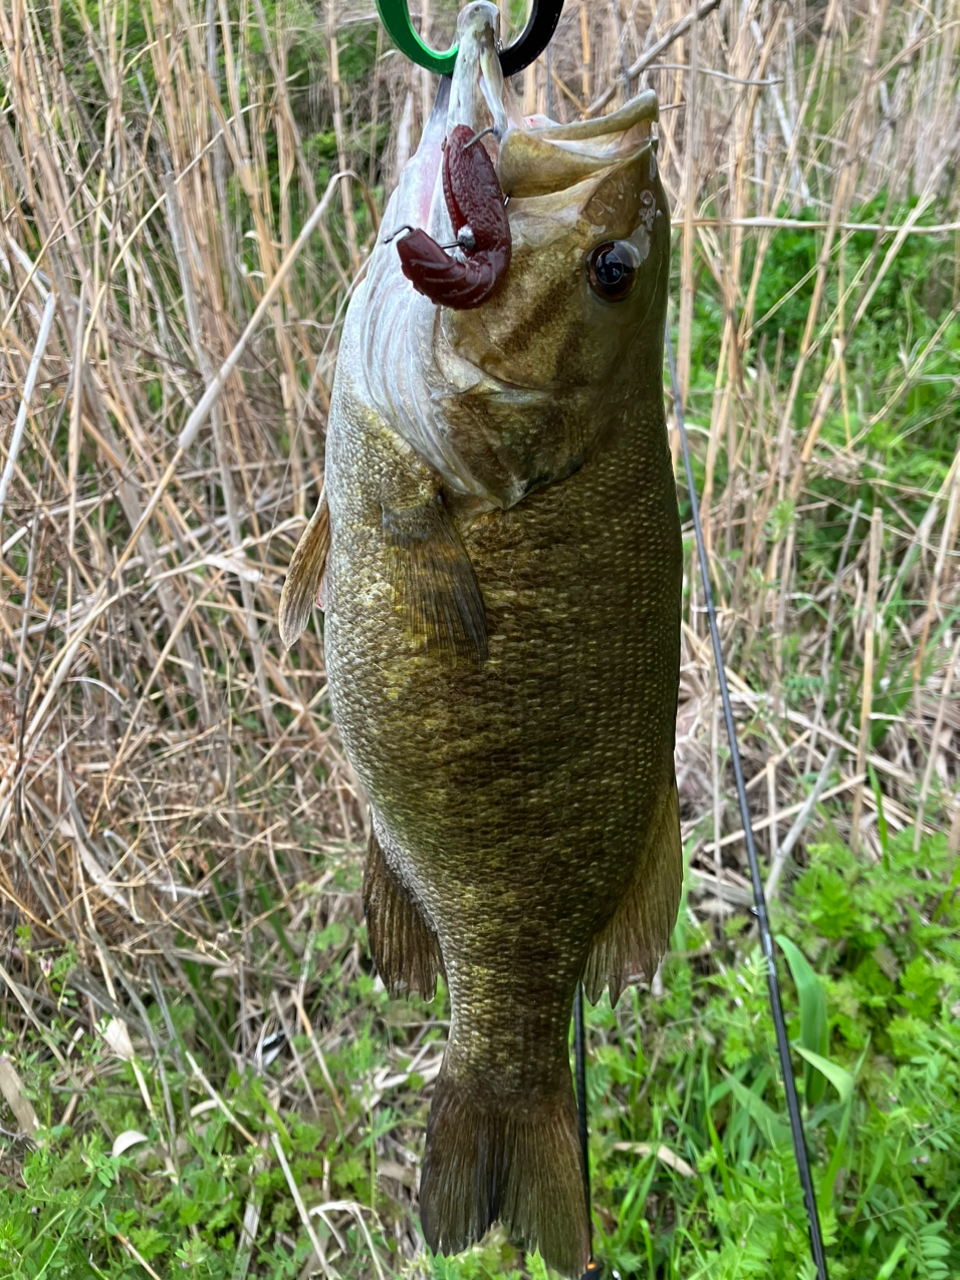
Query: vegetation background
(198, 1068)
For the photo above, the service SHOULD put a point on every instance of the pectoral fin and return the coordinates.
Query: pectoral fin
(635, 939)
(435, 585)
(303, 577)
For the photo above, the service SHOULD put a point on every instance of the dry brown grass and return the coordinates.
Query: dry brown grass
(169, 777)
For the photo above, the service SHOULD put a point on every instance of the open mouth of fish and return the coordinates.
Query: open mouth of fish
(479, 152)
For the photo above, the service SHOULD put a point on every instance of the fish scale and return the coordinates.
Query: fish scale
(501, 554)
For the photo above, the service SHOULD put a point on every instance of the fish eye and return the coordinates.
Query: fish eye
(612, 269)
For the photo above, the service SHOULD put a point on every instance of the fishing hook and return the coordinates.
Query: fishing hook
(536, 35)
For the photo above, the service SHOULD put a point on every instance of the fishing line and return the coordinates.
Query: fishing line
(760, 907)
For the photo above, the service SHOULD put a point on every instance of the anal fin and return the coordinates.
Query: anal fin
(635, 939)
(404, 946)
(303, 577)
(436, 587)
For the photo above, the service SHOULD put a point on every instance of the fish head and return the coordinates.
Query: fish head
(589, 227)
(509, 394)
(583, 304)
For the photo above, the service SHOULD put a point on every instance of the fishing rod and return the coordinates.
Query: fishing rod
(759, 898)
(760, 902)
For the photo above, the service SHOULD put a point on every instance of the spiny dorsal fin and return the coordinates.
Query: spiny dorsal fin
(303, 577)
(436, 587)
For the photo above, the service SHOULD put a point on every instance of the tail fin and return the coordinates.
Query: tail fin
(515, 1162)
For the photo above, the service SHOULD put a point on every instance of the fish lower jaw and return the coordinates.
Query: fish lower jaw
(480, 98)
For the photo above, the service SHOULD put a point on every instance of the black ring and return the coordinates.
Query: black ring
(534, 38)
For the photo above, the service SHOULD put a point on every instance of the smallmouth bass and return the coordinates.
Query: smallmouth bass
(499, 548)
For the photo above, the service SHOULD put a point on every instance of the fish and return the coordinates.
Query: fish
(497, 550)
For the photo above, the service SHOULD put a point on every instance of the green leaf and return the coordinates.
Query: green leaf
(771, 1125)
(839, 1077)
(881, 817)
(889, 1268)
(814, 1031)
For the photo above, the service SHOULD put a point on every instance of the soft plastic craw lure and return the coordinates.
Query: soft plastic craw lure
(475, 204)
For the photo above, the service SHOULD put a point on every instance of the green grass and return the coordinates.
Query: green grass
(882, 1126)
(694, 1173)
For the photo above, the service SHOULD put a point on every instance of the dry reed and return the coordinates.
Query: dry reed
(168, 774)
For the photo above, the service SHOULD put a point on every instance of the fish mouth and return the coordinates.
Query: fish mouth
(534, 155)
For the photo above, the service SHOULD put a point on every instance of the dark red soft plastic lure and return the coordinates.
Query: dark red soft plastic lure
(474, 201)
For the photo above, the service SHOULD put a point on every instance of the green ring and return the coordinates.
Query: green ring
(395, 16)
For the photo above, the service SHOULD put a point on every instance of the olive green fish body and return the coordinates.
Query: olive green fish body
(514, 797)
(520, 803)
(501, 559)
